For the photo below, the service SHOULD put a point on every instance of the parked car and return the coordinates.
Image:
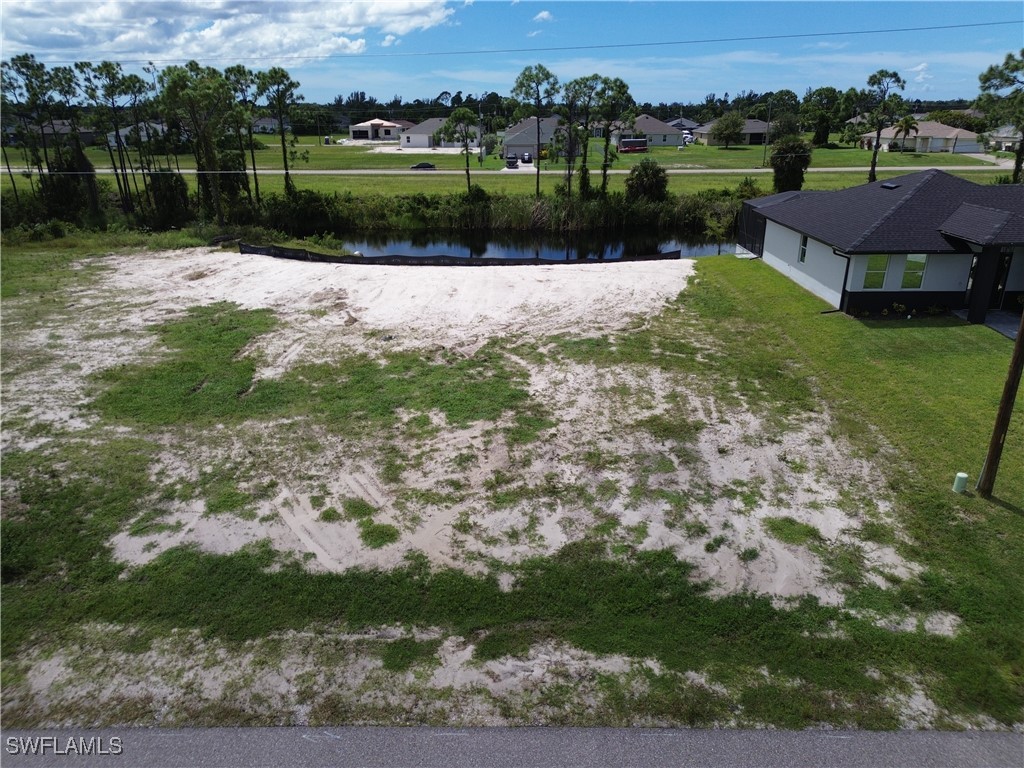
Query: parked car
(511, 162)
(526, 159)
(422, 167)
(511, 156)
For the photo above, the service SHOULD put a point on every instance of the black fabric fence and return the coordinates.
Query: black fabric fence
(300, 254)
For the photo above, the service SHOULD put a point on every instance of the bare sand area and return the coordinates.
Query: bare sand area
(745, 470)
(712, 502)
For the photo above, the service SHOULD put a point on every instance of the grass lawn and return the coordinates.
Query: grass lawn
(345, 158)
(918, 395)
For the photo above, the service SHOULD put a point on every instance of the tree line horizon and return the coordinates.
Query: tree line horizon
(209, 114)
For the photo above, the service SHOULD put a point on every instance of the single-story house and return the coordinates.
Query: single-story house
(143, 131)
(683, 124)
(59, 132)
(422, 136)
(268, 125)
(930, 137)
(522, 137)
(1005, 138)
(919, 241)
(376, 130)
(657, 133)
(755, 132)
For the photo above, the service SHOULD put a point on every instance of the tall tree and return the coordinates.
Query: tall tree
(819, 111)
(581, 98)
(537, 87)
(460, 127)
(67, 86)
(243, 84)
(881, 87)
(105, 86)
(280, 91)
(1009, 106)
(615, 108)
(200, 98)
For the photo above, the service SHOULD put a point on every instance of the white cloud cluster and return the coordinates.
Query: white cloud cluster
(260, 33)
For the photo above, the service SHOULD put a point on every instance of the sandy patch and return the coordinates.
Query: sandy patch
(592, 470)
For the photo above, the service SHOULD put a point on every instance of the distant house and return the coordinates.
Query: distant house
(755, 132)
(423, 136)
(376, 130)
(130, 134)
(683, 124)
(59, 132)
(930, 137)
(268, 125)
(657, 133)
(927, 239)
(522, 137)
(1006, 138)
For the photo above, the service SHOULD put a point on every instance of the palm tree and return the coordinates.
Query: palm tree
(906, 126)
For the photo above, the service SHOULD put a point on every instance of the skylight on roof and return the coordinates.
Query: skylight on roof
(890, 185)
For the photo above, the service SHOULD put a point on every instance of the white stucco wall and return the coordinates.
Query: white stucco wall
(417, 140)
(821, 273)
(943, 272)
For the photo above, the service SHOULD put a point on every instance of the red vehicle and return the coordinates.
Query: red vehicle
(632, 145)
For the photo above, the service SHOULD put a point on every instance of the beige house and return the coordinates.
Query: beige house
(657, 132)
(376, 130)
(930, 137)
(755, 132)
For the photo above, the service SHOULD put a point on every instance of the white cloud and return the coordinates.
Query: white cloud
(921, 73)
(389, 40)
(171, 31)
(544, 16)
(534, 33)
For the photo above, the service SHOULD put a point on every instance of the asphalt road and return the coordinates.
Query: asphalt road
(500, 747)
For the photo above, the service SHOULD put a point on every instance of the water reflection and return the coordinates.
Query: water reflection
(470, 246)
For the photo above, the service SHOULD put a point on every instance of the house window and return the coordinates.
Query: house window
(802, 256)
(874, 275)
(913, 272)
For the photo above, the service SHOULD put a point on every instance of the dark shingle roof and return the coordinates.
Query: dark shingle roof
(901, 215)
(984, 226)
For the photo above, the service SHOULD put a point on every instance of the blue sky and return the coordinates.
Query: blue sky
(667, 50)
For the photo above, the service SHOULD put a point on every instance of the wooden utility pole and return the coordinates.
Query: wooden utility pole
(995, 446)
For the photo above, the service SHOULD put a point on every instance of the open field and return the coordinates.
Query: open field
(387, 156)
(523, 183)
(246, 491)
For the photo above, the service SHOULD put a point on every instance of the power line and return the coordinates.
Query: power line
(552, 49)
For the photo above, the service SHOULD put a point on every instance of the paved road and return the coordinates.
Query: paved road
(501, 747)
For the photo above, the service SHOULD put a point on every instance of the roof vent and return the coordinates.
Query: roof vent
(890, 185)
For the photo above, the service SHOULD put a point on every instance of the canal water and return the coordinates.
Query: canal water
(527, 247)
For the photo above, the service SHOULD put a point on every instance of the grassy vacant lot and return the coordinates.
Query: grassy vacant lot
(524, 183)
(916, 396)
(347, 158)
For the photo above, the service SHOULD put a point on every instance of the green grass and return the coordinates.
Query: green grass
(205, 380)
(790, 531)
(928, 388)
(353, 158)
(708, 160)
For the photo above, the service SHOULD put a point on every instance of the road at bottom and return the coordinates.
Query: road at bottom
(419, 747)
